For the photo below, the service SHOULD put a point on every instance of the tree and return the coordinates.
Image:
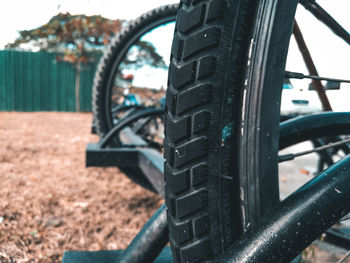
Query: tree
(75, 36)
(78, 37)
(144, 53)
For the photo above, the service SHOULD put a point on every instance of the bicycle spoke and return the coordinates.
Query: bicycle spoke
(347, 217)
(291, 156)
(326, 18)
(297, 75)
(325, 156)
(343, 259)
(311, 67)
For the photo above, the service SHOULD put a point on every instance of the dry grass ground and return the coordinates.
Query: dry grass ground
(49, 201)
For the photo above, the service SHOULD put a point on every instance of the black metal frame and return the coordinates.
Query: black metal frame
(326, 18)
(150, 241)
(282, 234)
(297, 221)
(135, 154)
(124, 122)
(279, 236)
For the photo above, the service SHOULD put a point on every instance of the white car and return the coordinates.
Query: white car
(306, 101)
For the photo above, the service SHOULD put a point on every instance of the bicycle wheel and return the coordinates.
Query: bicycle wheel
(209, 54)
(108, 89)
(222, 121)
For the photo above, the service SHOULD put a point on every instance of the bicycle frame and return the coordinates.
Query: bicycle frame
(279, 236)
(283, 233)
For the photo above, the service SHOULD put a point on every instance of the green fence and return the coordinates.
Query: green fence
(36, 81)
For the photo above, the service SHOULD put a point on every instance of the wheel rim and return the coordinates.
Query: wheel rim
(263, 98)
(119, 59)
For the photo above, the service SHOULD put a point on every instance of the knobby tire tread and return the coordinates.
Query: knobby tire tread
(211, 36)
(105, 66)
(105, 69)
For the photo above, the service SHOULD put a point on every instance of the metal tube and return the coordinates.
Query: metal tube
(125, 122)
(125, 108)
(311, 67)
(326, 18)
(150, 241)
(310, 127)
(284, 232)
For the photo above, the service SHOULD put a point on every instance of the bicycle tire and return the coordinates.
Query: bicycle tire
(222, 121)
(113, 56)
(209, 53)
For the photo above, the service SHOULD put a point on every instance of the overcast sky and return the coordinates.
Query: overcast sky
(18, 15)
(331, 54)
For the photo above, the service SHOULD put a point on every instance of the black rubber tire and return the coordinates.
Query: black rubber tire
(222, 121)
(204, 101)
(114, 55)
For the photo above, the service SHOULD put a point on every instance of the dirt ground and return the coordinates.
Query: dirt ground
(49, 201)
